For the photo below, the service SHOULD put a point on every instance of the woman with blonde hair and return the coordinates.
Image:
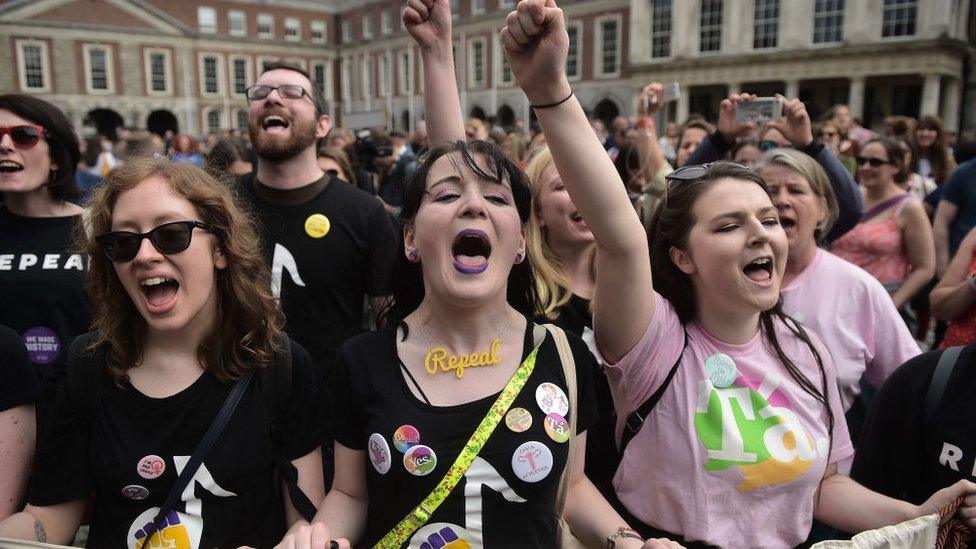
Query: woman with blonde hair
(184, 319)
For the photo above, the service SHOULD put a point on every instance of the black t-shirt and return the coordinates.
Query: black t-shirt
(492, 503)
(42, 284)
(898, 454)
(129, 452)
(327, 253)
(18, 384)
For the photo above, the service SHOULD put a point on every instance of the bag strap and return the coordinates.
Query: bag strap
(415, 520)
(569, 372)
(880, 208)
(940, 379)
(201, 451)
(636, 418)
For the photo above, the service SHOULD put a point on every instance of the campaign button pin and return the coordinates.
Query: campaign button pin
(518, 420)
(420, 460)
(721, 370)
(551, 399)
(151, 467)
(379, 453)
(136, 492)
(405, 437)
(557, 427)
(532, 461)
(317, 226)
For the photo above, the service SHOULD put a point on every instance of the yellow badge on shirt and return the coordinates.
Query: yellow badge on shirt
(317, 226)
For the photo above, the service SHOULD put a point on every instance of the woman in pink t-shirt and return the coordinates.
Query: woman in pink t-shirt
(741, 450)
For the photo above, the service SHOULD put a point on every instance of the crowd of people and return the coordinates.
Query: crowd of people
(566, 334)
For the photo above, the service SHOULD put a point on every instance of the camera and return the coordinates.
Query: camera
(368, 148)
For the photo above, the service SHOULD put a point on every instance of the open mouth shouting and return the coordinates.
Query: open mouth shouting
(160, 293)
(578, 219)
(760, 270)
(274, 124)
(471, 250)
(9, 166)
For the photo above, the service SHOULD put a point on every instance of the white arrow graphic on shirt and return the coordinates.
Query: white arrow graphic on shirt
(283, 260)
(193, 504)
(481, 473)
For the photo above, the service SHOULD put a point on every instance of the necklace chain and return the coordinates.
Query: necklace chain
(423, 332)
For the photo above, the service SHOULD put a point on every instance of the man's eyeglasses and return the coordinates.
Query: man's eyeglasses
(168, 238)
(287, 91)
(24, 136)
(874, 162)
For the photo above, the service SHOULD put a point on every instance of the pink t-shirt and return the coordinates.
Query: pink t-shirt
(853, 314)
(734, 451)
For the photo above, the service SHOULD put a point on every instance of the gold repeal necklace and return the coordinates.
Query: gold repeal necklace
(439, 360)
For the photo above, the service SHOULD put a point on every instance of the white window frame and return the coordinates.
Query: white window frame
(909, 4)
(499, 55)
(661, 34)
(599, 71)
(823, 16)
(269, 20)
(22, 67)
(237, 119)
(721, 32)
(303, 63)
(345, 71)
(232, 73)
(109, 68)
(384, 80)
(471, 68)
(209, 13)
(167, 71)
(386, 22)
(366, 76)
(218, 71)
(578, 25)
(293, 25)
(775, 25)
(506, 4)
(367, 23)
(239, 16)
(347, 32)
(261, 60)
(321, 27)
(455, 9)
(205, 122)
(404, 72)
(325, 85)
(477, 7)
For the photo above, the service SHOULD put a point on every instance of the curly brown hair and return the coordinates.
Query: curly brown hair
(249, 320)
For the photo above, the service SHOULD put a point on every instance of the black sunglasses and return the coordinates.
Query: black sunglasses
(168, 238)
(875, 162)
(684, 173)
(288, 91)
(24, 136)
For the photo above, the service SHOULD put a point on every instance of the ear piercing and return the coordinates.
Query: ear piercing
(519, 256)
(413, 256)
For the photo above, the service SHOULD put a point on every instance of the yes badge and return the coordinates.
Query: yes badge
(551, 399)
(420, 460)
(532, 461)
(721, 370)
(317, 226)
(405, 437)
(557, 427)
(379, 453)
(518, 420)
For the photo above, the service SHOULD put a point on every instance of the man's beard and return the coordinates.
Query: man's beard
(276, 149)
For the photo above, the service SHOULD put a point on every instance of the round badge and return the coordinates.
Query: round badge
(557, 427)
(136, 492)
(405, 437)
(518, 420)
(317, 226)
(420, 460)
(551, 399)
(379, 453)
(532, 461)
(151, 467)
(721, 370)
(42, 344)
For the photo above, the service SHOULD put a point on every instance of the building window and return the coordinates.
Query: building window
(608, 46)
(318, 32)
(506, 4)
(157, 72)
(384, 75)
(207, 19)
(477, 60)
(828, 21)
(573, 57)
(661, 28)
(477, 6)
(346, 32)
(32, 66)
(263, 63)
(346, 83)
(404, 81)
(265, 25)
(455, 9)
(386, 27)
(765, 29)
(242, 120)
(237, 22)
(318, 77)
(209, 72)
(98, 69)
(506, 76)
(710, 26)
(293, 29)
(240, 74)
(212, 120)
(899, 18)
(367, 26)
(367, 76)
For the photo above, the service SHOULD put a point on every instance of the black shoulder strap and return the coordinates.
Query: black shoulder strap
(276, 384)
(940, 379)
(84, 373)
(636, 419)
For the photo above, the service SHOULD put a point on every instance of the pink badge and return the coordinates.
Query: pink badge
(151, 467)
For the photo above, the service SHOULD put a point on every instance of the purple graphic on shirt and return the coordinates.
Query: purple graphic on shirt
(42, 344)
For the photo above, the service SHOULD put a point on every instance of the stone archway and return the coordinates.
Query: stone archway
(506, 117)
(477, 112)
(105, 121)
(161, 121)
(606, 110)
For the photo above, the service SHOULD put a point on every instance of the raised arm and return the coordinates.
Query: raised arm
(429, 23)
(648, 147)
(955, 295)
(536, 45)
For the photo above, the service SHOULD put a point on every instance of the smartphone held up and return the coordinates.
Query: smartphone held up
(759, 110)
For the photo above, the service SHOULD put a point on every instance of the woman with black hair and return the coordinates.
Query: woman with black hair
(41, 276)
(932, 156)
(742, 447)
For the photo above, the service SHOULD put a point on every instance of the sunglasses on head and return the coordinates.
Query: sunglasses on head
(875, 162)
(168, 238)
(24, 136)
(684, 173)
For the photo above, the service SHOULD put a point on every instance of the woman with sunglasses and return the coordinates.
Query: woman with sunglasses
(741, 449)
(893, 241)
(184, 312)
(41, 277)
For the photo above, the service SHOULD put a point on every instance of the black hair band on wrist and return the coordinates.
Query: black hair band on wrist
(556, 104)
